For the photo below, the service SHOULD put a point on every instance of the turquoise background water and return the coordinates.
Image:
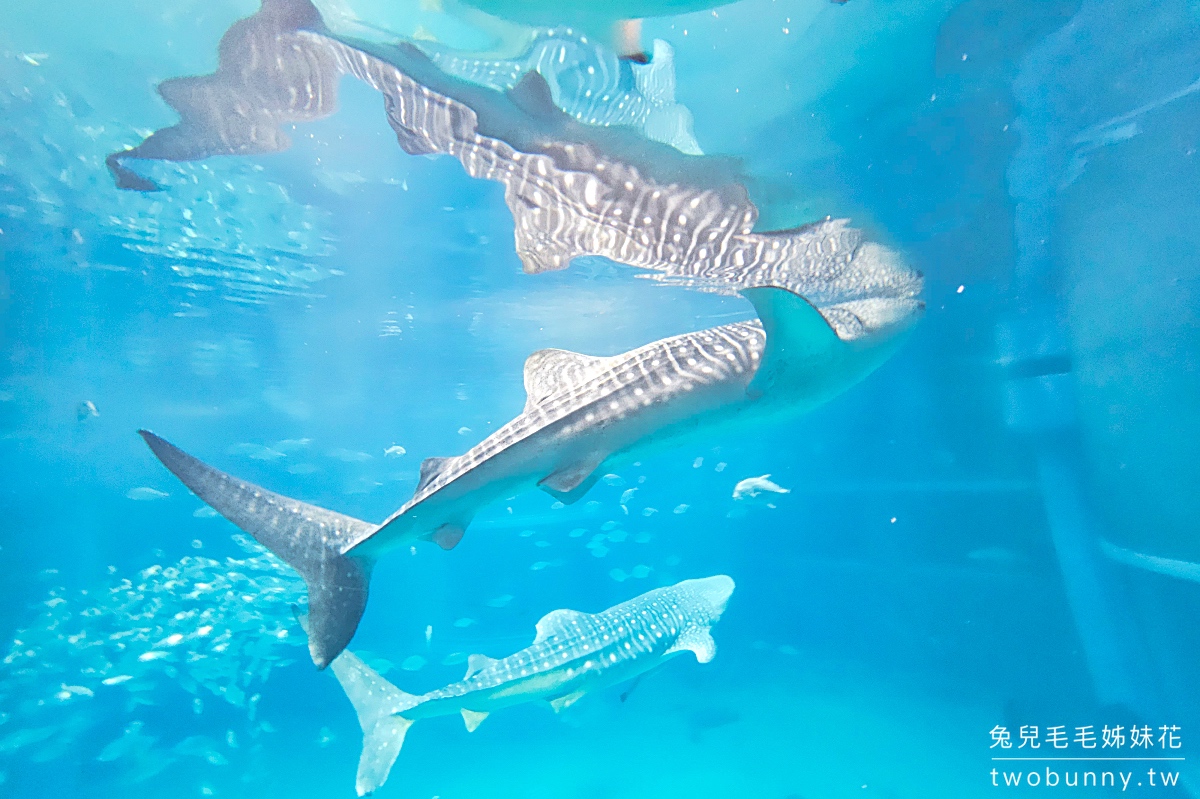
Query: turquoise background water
(938, 569)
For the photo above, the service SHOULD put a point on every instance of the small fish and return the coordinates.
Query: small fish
(154, 654)
(454, 658)
(77, 690)
(462, 431)
(428, 634)
(613, 480)
(681, 508)
(619, 575)
(627, 496)
(349, 455)
(751, 487)
(696, 464)
(325, 737)
(500, 601)
(394, 451)
(463, 623)
(413, 663)
(205, 513)
(144, 494)
(537, 567)
(86, 410)
(117, 680)
(257, 452)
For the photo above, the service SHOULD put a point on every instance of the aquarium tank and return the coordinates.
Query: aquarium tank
(640, 399)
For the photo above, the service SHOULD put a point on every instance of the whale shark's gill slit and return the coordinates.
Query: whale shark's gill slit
(309, 539)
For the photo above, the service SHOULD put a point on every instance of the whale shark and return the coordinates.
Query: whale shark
(573, 189)
(588, 82)
(572, 654)
(582, 415)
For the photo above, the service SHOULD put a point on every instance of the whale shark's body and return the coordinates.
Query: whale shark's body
(582, 412)
(572, 654)
(573, 189)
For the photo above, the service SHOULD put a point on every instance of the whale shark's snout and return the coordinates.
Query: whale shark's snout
(711, 594)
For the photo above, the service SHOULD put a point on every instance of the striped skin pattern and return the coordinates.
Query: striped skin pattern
(574, 653)
(572, 189)
(588, 82)
(571, 198)
(593, 393)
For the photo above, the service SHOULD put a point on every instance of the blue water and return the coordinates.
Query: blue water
(997, 529)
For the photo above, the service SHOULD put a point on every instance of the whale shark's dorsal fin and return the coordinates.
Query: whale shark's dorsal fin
(533, 96)
(430, 468)
(556, 621)
(549, 371)
(477, 663)
(698, 640)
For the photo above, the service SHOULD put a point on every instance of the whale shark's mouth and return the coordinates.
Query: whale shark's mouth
(713, 592)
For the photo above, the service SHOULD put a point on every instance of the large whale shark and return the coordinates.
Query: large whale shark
(573, 189)
(572, 654)
(583, 414)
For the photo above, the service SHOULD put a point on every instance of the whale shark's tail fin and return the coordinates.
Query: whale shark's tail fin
(310, 539)
(377, 703)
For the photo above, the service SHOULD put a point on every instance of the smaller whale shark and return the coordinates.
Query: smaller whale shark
(572, 654)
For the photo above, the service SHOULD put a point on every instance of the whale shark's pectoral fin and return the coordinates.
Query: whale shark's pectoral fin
(573, 476)
(797, 335)
(448, 535)
(558, 622)
(559, 704)
(698, 640)
(550, 371)
(575, 494)
(636, 681)
(473, 718)
(477, 663)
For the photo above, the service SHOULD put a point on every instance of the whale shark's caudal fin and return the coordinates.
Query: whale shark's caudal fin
(310, 539)
(377, 703)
